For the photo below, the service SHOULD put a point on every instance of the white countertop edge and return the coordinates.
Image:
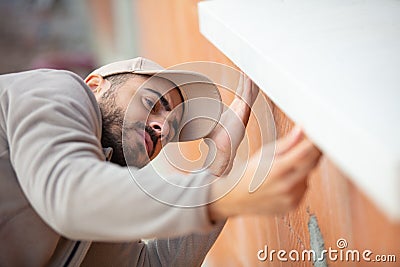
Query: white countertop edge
(318, 126)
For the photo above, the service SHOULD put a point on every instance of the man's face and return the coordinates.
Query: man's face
(153, 110)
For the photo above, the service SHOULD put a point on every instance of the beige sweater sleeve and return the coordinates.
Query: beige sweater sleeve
(53, 129)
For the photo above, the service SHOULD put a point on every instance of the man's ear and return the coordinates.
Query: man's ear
(97, 83)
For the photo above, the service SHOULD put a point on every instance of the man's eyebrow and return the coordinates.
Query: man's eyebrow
(163, 101)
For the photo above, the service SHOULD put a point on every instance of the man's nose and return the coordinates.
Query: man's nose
(160, 126)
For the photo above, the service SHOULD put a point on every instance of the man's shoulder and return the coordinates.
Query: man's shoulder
(39, 73)
(58, 84)
(41, 78)
(58, 89)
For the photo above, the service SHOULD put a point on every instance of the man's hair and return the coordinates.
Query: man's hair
(117, 80)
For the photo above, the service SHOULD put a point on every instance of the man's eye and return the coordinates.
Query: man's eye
(148, 103)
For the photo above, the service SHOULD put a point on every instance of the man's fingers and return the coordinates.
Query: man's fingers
(295, 155)
(299, 160)
(289, 141)
(250, 91)
(239, 90)
(254, 90)
(299, 190)
(303, 169)
(291, 192)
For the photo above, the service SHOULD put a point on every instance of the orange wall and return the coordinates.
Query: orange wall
(169, 35)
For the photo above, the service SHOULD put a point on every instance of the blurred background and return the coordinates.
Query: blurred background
(80, 35)
(65, 34)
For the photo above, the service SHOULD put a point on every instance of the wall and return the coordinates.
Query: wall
(333, 207)
(112, 29)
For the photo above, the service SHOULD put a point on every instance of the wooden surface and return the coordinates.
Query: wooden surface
(169, 35)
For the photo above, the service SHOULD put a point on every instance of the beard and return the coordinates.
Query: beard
(122, 138)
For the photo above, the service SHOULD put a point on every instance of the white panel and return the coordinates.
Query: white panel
(331, 66)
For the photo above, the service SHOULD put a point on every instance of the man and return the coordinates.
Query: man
(59, 197)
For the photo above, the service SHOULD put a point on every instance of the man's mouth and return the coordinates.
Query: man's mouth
(149, 137)
(148, 143)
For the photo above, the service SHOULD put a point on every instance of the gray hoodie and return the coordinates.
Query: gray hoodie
(59, 198)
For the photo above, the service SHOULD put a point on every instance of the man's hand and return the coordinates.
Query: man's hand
(225, 139)
(283, 189)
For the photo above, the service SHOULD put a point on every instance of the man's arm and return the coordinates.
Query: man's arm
(53, 130)
(286, 183)
(224, 140)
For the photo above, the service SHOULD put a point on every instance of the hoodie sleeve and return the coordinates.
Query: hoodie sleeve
(190, 250)
(53, 129)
